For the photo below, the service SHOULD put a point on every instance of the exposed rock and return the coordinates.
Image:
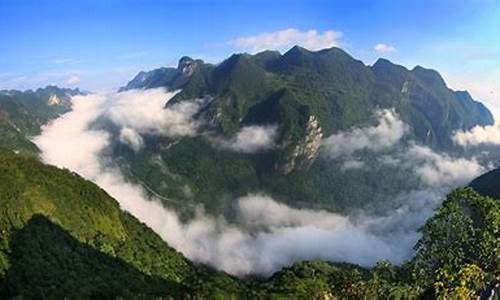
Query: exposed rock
(187, 65)
(306, 150)
(54, 100)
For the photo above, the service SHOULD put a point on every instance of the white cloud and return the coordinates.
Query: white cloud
(383, 48)
(435, 169)
(479, 135)
(251, 139)
(130, 137)
(73, 79)
(283, 39)
(352, 164)
(145, 112)
(387, 133)
(269, 236)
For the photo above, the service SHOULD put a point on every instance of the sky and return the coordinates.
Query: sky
(100, 45)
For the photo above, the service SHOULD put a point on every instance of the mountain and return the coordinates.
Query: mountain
(23, 113)
(488, 184)
(308, 95)
(64, 237)
(331, 85)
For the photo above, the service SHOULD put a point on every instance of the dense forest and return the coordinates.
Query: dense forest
(63, 235)
(309, 96)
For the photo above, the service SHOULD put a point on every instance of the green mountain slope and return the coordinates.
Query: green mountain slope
(339, 90)
(309, 95)
(488, 184)
(62, 235)
(23, 113)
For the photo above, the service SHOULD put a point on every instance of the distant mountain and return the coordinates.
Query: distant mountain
(328, 84)
(22, 113)
(309, 96)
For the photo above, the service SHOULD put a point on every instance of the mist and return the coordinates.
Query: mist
(478, 135)
(387, 133)
(269, 234)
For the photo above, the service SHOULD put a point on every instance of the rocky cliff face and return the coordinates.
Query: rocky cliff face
(306, 149)
(54, 100)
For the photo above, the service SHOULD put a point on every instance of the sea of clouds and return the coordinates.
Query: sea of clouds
(268, 235)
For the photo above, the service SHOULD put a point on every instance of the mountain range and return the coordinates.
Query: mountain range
(23, 113)
(63, 236)
(307, 96)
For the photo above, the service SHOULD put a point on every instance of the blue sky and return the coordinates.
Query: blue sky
(101, 44)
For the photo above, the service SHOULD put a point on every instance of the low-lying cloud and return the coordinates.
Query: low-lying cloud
(435, 169)
(144, 112)
(250, 139)
(268, 235)
(387, 133)
(479, 135)
(131, 138)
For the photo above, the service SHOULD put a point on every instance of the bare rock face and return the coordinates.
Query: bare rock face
(54, 100)
(187, 65)
(305, 152)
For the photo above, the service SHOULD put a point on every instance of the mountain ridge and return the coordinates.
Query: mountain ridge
(309, 96)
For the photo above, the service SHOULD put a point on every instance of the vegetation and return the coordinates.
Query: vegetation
(269, 88)
(63, 236)
(23, 113)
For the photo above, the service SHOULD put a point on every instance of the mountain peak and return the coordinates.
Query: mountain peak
(297, 50)
(428, 75)
(186, 65)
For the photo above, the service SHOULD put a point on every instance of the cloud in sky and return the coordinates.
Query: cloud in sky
(389, 130)
(384, 48)
(283, 39)
(73, 80)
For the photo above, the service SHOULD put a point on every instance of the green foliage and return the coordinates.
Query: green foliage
(464, 231)
(63, 236)
(461, 285)
(270, 88)
(58, 229)
(47, 261)
(23, 113)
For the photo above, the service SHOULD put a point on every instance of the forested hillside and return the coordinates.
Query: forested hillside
(62, 235)
(23, 113)
(307, 96)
